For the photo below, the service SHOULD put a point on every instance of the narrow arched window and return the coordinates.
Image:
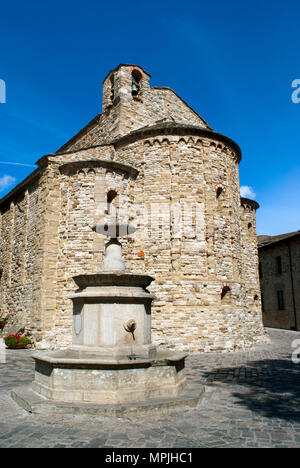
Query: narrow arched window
(219, 189)
(225, 291)
(112, 88)
(111, 195)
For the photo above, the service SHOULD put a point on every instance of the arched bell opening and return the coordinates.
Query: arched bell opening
(136, 77)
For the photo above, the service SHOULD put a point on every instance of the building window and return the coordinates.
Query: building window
(225, 291)
(280, 300)
(278, 265)
(111, 195)
(219, 189)
(112, 88)
(260, 270)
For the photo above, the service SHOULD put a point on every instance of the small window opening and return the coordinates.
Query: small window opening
(249, 225)
(136, 78)
(112, 88)
(111, 195)
(225, 291)
(280, 300)
(278, 265)
(256, 297)
(219, 188)
(219, 191)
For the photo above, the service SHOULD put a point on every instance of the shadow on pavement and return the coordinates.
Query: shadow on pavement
(270, 387)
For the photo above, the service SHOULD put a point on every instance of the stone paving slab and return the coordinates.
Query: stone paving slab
(251, 400)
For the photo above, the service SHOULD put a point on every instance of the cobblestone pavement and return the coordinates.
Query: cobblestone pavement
(252, 400)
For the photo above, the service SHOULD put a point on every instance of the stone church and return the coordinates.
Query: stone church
(151, 160)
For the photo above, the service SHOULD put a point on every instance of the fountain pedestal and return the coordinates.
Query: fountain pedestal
(103, 306)
(112, 360)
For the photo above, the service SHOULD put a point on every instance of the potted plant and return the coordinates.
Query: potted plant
(16, 341)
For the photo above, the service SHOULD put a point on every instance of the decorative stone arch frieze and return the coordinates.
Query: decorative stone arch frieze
(249, 205)
(167, 141)
(91, 171)
(181, 135)
(85, 167)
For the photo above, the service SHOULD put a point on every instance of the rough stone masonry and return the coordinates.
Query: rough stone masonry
(151, 160)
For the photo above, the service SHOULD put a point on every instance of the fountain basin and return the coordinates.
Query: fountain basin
(74, 376)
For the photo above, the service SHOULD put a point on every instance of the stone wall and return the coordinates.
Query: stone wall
(178, 178)
(19, 258)
(83, 189)
(249, 263)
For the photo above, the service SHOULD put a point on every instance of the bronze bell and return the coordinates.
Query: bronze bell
(135, 89)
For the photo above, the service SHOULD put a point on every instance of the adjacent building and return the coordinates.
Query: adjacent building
(279, 271)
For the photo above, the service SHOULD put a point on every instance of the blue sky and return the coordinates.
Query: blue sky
(233, 62)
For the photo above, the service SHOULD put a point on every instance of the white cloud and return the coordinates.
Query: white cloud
(247, 191)
(6, 181)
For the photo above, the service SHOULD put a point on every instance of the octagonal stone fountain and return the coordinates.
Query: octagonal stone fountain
(112, 367)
